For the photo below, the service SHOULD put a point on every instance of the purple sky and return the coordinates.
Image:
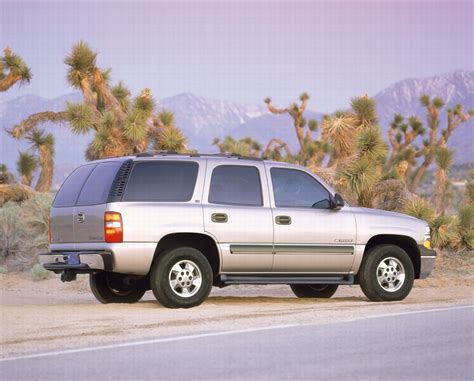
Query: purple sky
(244, 51)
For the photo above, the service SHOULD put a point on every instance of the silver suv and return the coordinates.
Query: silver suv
(179, 224)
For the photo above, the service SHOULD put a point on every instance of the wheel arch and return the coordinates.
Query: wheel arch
(406, 243)
(199, 241)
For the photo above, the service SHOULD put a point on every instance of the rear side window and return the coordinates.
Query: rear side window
(162, 181)
(236, 185)
(97, 186)
(71, 187)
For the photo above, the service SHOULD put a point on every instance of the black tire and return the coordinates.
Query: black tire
(369, 272)
(112, 288)
(162, 275)
(322, 291)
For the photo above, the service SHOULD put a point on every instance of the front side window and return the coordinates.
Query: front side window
(236, 185)
(71, 187)
(171, 181)
(297, 189)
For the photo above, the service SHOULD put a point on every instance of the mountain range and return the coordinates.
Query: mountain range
(203, 119)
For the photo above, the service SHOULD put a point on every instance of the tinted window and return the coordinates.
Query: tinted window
(97, 186)
(162, 181)
(293, 188)
(71, 187)
(235, 185)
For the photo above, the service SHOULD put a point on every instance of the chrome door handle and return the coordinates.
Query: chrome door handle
(219, 217)
(283, 220)
(81, 217)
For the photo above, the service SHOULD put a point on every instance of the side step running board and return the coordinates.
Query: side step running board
(286, 279)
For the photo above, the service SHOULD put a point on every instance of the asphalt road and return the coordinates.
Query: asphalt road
(435, 344)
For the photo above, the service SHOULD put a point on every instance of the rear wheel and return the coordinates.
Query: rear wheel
(386, 273)
(116, 288)
(313, 290)
(181, 278)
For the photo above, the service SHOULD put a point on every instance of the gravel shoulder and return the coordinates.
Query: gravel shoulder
(49, 314)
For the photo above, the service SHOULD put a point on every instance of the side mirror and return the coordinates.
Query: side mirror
(337, 202)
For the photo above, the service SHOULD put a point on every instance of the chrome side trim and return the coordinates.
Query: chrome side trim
(314, 249)
(244, 249)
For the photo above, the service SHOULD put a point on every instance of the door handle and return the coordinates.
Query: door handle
(219, 217)
(283, 220)
(81, 217)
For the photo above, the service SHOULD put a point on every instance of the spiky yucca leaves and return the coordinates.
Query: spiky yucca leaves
(80, 117)
(364, 109)
(43, 143)
(13, 70)
(340, 130)
(465, 228)
(81, 62)
(441, 234)
(371, 145)
(360, 176)
(170, 138)
(420, 208)
(122, 94)
(26, 165)
(444, 160)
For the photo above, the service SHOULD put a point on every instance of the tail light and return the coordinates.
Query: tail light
(113, 228)
(49, 229)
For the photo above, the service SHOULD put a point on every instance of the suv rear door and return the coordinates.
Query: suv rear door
(92, 202)
(62, 212)
(237, 213)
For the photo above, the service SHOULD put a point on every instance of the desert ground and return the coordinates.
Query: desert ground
(38, 316)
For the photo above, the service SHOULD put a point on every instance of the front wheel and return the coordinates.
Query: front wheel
(181, 278)
(116, 288)
(386, 273)
(322, 291)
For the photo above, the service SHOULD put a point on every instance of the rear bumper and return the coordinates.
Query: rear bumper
(76, 261)
(427, 261)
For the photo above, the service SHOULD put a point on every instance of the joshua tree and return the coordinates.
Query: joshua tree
(245, 147)
(120, 125)
(12, 70)
(456, 116)
(444, 160)
(166, 136)
(305, 138)
(26, 165)
(44, 144)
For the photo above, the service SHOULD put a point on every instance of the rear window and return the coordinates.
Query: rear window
(162, 181)
(71, 187)
(235, 185)
(97, 186)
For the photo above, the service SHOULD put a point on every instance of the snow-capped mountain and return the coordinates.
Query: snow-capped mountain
(202, 119)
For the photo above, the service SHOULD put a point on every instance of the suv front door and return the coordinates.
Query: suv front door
(308, 236)
(237, 213)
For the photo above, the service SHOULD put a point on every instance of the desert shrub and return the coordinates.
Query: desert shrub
(12, 230)
(464, 228)
(38, 272)
(3, 270)
(24, 230)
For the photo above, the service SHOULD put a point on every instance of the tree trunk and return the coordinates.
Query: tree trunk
(45, 179)
(9, 81)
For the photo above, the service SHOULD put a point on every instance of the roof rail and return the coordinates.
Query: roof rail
(156, 152)
(197, 154)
